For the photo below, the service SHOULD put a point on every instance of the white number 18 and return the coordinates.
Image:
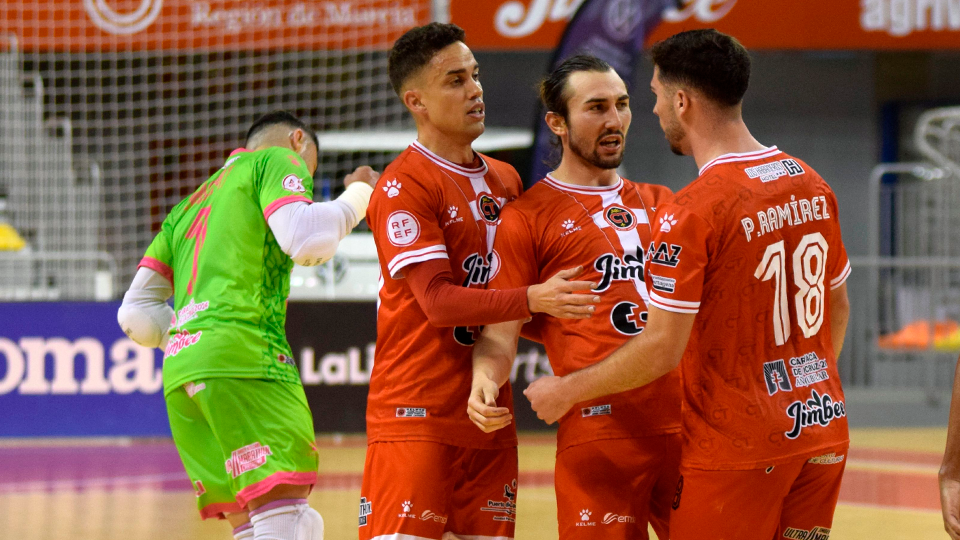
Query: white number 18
(809, 271)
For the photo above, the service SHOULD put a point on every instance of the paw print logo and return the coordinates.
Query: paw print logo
(392, 188)
(568, 224)
(585, 515)
(453, 211)
(667, 222)
(407, 506)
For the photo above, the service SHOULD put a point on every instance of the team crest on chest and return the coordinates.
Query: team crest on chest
(619, 217)
(489, 207)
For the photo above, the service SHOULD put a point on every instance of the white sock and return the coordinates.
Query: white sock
(289, 520)
(243, 532)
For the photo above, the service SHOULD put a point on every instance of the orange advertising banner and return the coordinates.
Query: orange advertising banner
(96, 25)
(759, 24)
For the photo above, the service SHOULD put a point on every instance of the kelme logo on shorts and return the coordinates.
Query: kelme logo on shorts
(411, 412)
(248, 458)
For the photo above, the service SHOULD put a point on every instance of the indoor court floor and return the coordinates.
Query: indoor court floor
(136, 489)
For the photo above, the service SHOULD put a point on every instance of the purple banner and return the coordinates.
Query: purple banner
(613, 30)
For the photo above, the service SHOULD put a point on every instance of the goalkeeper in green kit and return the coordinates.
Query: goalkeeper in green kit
(236, 405)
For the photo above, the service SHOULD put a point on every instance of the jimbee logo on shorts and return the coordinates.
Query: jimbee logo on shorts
(411, 412)
(248, 458)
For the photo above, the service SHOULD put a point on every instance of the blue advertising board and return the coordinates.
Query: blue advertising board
(66, 369)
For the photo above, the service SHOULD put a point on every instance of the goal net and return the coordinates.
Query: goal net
(114, 110)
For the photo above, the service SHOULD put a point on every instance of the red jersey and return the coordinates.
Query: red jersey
(425, 207)
(752, 246)
(556, 226)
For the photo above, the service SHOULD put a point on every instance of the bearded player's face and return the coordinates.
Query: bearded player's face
(669, 123)
(450, 91)
(598, 117)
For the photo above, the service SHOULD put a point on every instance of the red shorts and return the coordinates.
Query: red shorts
(423, 489)
(611, 489)
(794, 500)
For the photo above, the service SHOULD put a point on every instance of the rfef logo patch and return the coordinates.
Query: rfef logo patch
(403, 228)
(489, 208)
(619, 217)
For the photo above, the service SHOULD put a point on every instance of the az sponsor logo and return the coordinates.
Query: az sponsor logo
(816, 533)
(610, 518)
(664, 254)
(816, 411)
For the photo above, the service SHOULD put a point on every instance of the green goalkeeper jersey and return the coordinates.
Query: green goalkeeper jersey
(230, 277)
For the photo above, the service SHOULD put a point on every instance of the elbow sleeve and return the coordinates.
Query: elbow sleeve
(146, 326)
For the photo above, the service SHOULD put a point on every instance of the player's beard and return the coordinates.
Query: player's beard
(579, 148)
(674, 135)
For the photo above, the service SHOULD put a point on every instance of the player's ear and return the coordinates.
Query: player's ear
(413, 101)
(681, 101)
(556, 123)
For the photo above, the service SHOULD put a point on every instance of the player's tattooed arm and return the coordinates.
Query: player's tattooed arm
(493, 357)
(640, 361)
(839, 315)
(949, 476)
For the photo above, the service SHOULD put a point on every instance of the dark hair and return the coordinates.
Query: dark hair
(711, 62)
(554, 94)
(553, 89)
(279, 118)
(417, 47)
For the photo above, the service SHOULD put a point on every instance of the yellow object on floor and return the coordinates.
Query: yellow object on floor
(9, 239)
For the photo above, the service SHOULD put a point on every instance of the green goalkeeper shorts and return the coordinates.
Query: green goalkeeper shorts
(239, 438)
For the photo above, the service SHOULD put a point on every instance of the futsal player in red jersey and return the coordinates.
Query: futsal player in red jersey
(617, 456)
(746, 273)
(429, 473)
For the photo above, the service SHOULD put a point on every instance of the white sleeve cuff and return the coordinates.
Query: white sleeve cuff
(144, 314)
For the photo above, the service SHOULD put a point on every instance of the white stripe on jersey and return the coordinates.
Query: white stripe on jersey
(629, 240)
(438, 251)
(839, 280)
(745, 156)
(674, 303)
(479, 184)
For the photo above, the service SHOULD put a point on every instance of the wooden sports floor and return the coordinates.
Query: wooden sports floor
(123, 490)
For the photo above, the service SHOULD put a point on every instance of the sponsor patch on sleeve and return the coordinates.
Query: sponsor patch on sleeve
(596, 410)
(664, 284)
